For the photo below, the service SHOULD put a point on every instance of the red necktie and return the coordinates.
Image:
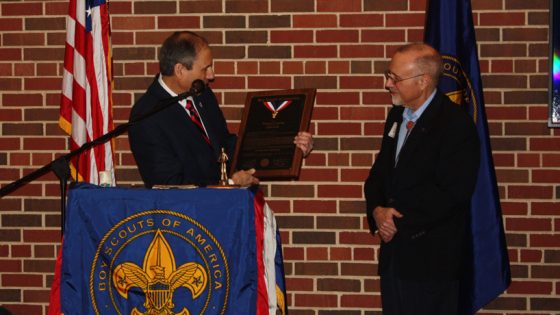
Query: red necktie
(195, 118)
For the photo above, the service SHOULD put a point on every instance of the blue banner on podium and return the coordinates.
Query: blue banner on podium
(191, 251)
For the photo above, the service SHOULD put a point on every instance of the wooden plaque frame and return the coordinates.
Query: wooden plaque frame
(271, 120)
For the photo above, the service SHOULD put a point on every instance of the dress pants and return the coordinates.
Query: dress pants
(412, 297)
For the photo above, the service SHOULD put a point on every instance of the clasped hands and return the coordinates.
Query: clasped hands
(303, 140)
(384, 219)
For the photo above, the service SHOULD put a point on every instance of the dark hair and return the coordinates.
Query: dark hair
(180, 47)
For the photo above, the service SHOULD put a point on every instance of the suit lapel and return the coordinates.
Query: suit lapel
(421, 129)
(393, 124)
(176, 116)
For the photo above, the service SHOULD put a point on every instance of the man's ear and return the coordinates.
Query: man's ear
(177, 69)
(425, 81)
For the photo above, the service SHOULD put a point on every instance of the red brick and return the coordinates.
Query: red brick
(545, 176)
(362, 51)
(404, 19)
(22, 280)
(337, 36)
(380, 98)
(272, 82)
(316, 253)
(502, 19)
(514, 208)
(21, 251)
(356, 238)
(293, 253)
(512, 113)
(10, 265)
(314, 206)
(528, 160)
(314, 21)
(318, 175)
(361, 20)
(269, 67)
(41, 236)
(247, 67)
(42, 84)
(337, 98)
(44, 144)
(133, 23)
(385, 35)
(543, 240)
(11, 24)
(316, 300)
(361, 82)
(367, 254)
(339, 6)
(530, 287)
(529, 192)
(4, 250)
(527, 224)
(36, 296)
(338, 67)
(337, 254)
(361, 159)
(544, 144)
(534, 256)
(354, 175)
(341, 128)
(364, 301)
(13, 54)
(23, 9)
(229, 83)
(340, 191)
(60, 8)
(328, 51)
(299, 284)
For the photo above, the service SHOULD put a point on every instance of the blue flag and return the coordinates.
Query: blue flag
(449, 29)
(193, 251)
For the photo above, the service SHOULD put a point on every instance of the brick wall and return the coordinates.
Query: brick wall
(340, 47)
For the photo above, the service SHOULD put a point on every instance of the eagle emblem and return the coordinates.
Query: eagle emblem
(158, 278)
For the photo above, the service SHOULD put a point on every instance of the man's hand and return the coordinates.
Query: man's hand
(304, 141)
(385, 224)
(245, 178)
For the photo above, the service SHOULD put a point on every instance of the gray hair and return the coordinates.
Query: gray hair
(429, 60)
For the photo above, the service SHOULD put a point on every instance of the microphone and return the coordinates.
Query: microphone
(197, 87)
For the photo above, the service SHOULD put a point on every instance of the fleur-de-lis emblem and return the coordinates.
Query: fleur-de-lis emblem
(159, 278)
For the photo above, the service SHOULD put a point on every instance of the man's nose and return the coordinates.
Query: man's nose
(210, 74)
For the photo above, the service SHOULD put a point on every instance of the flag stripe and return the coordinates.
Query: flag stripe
(86, 104)
(262, 298)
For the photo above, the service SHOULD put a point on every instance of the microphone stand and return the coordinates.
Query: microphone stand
(60, 166)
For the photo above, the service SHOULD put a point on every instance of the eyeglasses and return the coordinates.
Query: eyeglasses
(395, 78)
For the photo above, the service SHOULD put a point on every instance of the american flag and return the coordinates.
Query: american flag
(86, 104)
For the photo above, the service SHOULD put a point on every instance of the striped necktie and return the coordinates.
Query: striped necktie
(195, 118)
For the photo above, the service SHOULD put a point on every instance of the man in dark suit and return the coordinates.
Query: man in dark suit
(182, 143)
(419, 188)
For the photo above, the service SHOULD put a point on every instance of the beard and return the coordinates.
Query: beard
(396, 99)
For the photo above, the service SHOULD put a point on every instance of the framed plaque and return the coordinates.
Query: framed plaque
(271, 120)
